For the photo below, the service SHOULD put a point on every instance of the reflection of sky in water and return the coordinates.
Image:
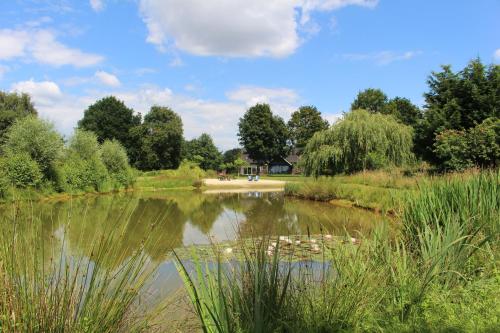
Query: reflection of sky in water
(175, 219)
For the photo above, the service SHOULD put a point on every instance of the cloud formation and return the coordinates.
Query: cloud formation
(107, 79)
(497, 55)
(383, 57)
(233, 28)
(217, 118)
(97, 5)
(42, 46)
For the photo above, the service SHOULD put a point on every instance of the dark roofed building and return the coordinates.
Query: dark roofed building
(279, 166)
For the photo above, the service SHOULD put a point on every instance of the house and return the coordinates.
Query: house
(283, 165)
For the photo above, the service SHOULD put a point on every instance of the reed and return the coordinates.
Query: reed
(43, 289)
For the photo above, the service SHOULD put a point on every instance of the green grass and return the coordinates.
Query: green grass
(45, 289)
(440, 274)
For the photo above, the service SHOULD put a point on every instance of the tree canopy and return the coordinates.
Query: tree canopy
(109, 118)
(304, 123)
(203, 151)
(13, 106)
(361, 140)
(157, 142)
(263, 135)
(458, 101)
(373, 100)
(403, 110)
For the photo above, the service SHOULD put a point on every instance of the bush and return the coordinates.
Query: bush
(83, 168)
(21, 171)
(115, 160)
(477, 146)
(38, 139)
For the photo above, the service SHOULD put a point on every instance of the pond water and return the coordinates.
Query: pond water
(180, 218)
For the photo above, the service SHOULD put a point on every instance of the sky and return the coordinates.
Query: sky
(211, 60)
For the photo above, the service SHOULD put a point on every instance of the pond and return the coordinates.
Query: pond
(180, 218)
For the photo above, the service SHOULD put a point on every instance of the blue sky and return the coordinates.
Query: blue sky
(211, 60)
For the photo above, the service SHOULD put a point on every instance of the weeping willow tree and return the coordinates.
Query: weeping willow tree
(360, 140)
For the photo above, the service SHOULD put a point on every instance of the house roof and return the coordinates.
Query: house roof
(290, 159)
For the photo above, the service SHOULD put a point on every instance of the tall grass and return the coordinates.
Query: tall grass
(446, 253)
(43, 289)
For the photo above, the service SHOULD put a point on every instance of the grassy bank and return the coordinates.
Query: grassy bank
(441, 274)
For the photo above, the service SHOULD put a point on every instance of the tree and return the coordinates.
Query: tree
(38, 139)
(263, 135)
(109, 118)
(361, 140)
(115, 159)
(373, 100)
(158, 140)
(403, 110)
(232, 155)
(13, 106)
(304, 123)
(203, 151)
(457, 101)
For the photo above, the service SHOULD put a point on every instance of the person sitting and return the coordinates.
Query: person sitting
(250, 178)
(256, 178)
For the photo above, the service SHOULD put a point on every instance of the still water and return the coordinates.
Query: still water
(181, 218)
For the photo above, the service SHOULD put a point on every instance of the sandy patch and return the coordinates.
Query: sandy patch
(243, 183)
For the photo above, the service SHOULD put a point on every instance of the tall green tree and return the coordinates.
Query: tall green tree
(158, 140)
(109, 118)
(458, 101)
(373, 100)
(304, 123)
(361, 140)
(13, 106)
(263, 135)
(404, 110)
(203, 151)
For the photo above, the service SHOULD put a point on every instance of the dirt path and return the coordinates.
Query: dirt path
(243, 183)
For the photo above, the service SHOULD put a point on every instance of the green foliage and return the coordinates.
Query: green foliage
(158, 140)
(304, 123)
(83, 169)
(109, 118)
(373, 100)
(38, 139)
(13, 106)
(203, 151)
(20, 170)
(458, 101)
(115, 159)
(403, 110)
(441, 274)
(263, 135)
(54, 291)
(477, 146)
(360, 141)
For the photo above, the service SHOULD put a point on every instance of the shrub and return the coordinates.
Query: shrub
(477, 146)
(360, 141)
(38, 139)
(115, 160)
(83, 168)
(21, 171)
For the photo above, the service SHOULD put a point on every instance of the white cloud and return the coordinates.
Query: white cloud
(218, 118)
(497, 55)
(382, 58)
(42, 46)
(97, 5)
(13, 43)
(107, 79)
(234, 28)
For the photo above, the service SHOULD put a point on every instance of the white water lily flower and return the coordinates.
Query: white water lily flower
(228, 250)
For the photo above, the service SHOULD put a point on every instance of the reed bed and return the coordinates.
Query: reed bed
(44, 289)
(440, 274)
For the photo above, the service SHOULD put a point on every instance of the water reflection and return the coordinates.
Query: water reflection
(175, 219)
